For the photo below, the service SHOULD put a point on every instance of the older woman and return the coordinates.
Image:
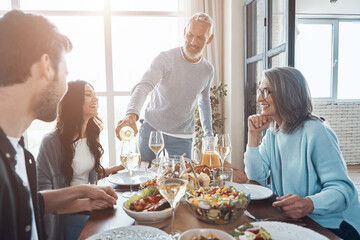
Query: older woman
(300, 153)
(71, 156)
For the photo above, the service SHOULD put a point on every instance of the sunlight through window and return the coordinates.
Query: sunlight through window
(313, 52)
(349, 52)
(113, 47)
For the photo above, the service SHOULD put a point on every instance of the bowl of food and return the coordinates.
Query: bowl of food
(218, 205)
(205, 233)
(148, 207)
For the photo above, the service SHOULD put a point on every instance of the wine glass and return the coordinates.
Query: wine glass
(130, 159)
(156, 143)
(222, 146)
(171, 184)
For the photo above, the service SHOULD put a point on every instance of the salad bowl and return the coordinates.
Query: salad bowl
(218, 205)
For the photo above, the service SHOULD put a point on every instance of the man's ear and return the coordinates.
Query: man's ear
(210, 39)
(47, 68)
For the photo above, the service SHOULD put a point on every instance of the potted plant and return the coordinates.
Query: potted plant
(217, 92)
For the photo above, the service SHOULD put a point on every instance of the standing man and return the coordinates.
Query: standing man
(179, 80)
(32, 81)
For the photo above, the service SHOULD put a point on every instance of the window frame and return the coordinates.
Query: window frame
(335, 22)
(288, 47)
(110, 94)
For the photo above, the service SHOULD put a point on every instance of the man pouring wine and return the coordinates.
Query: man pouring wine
(180, 80)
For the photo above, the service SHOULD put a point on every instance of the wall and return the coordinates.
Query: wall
(343, 118)
(341, 7)
(234, 77)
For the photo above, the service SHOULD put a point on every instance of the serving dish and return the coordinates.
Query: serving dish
(190, 234)
(218, 205)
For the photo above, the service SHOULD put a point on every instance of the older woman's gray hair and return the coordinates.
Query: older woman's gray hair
(292, 97)
(202, 17)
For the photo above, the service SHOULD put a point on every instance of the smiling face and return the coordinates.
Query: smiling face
(90, 107)
(196, 38)
(268, 106)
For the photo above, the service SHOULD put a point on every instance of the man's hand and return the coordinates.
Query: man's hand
(106, 194)
(129, 120)
(294, 206)
(68, 199)
(98, 204)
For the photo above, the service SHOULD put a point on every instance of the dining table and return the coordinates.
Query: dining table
(111, 218)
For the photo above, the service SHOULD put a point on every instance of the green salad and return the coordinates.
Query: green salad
(249, 231)
(147, 192)
(218, 205)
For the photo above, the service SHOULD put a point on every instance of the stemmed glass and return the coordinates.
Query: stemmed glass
(130, 159)
(222, 146)
(156, 143)
(171, 184)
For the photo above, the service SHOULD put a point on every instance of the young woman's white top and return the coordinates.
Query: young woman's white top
(83, 163)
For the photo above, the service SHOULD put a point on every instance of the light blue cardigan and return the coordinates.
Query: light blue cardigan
(307, 162)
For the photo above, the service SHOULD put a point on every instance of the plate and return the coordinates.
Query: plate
(258, 192)
(148, 217)
(188, 235)
(132, 232)
(286, 231)
(123, 177)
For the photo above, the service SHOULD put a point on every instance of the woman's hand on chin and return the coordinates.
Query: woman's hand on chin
(256, 124)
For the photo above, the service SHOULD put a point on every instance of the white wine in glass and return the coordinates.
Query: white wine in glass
(171, 184)
(172, 189)
(223, 147)
(130, 159)
(156, 143)
(156, 148)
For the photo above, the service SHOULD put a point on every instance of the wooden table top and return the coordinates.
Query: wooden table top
(107, 219)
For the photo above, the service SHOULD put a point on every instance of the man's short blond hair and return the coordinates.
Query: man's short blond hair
(203, 17)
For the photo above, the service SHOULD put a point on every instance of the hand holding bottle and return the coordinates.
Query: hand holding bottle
(126, 128)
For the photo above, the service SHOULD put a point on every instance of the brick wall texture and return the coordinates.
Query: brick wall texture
(344, 119)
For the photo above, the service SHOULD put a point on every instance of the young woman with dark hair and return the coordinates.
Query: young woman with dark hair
(71, 156)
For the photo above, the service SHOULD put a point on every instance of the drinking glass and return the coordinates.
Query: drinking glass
(222, 146)
(221, 175)
(171, 184)
(156, 143)
(130, 159)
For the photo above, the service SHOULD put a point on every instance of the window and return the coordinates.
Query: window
(4, 6)
(331, 46)
(269, 43)
(348, 60)
(114, 44)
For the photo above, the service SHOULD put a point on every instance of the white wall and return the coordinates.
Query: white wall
(343, 118)
(325, 7)
(234, 77)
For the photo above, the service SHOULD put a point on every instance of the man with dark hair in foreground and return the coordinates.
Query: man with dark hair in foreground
(32, 82)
